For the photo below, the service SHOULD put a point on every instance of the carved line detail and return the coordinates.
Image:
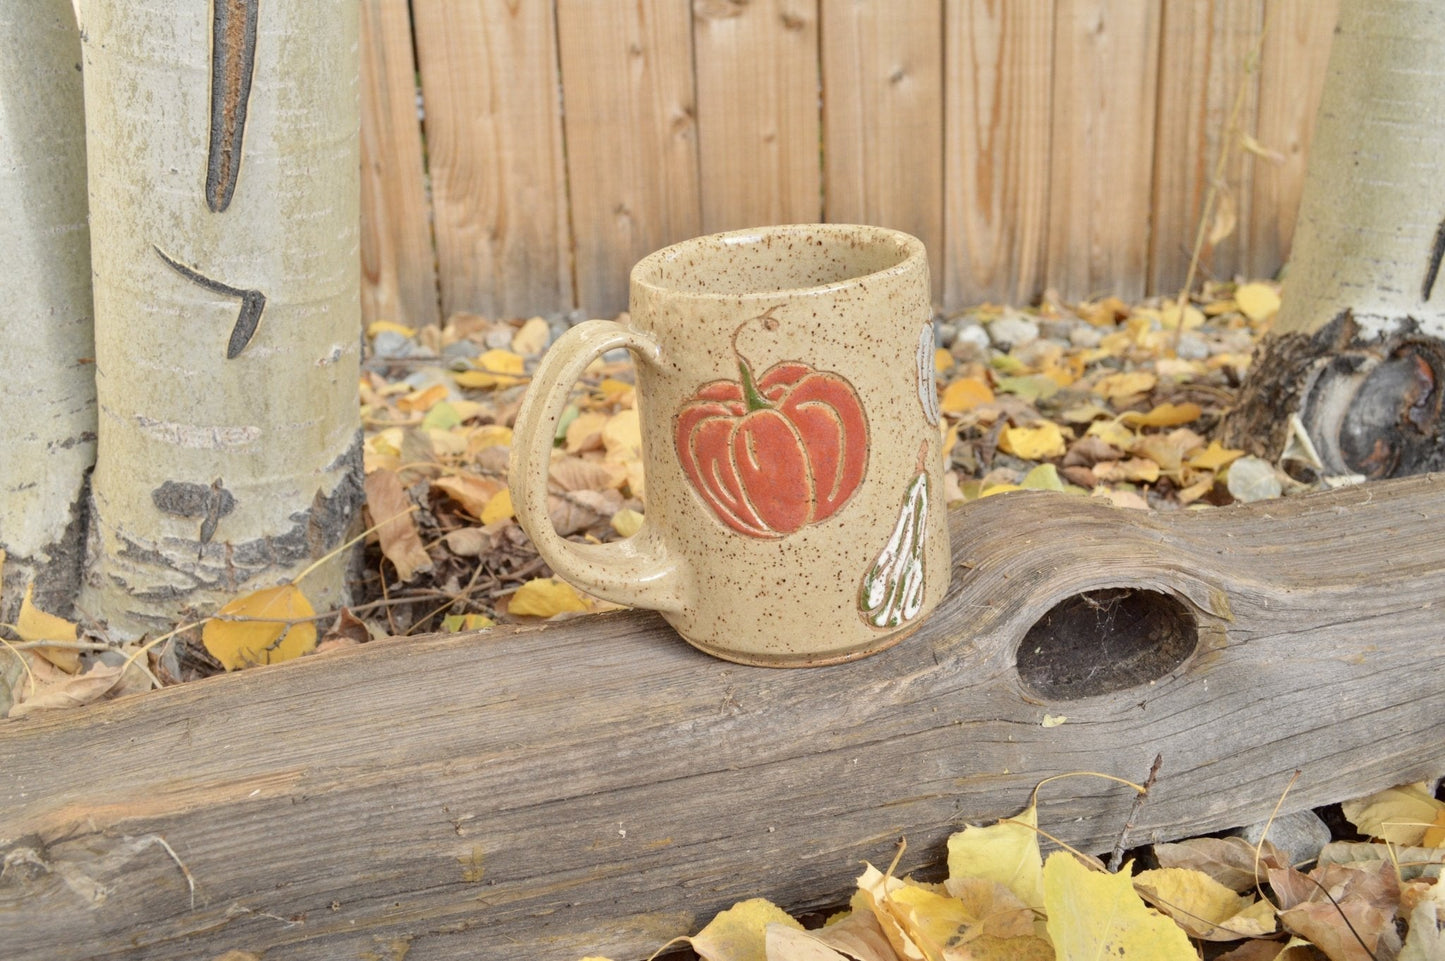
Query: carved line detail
(233, 58)
(253, 302)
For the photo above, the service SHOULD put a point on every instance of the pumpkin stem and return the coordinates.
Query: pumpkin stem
(751, 394)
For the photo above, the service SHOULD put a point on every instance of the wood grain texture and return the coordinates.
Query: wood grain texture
(1105, 63)
(1296, 48)
(758, 117)
(997, 127)
(632, 162)
(1207, 59)
(493, 125)
(398, 263)
(597, 787)
(883, 118)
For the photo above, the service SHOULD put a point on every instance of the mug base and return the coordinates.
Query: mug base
(805, 659)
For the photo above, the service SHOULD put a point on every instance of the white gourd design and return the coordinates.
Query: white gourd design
(927, 375)
(892, 590)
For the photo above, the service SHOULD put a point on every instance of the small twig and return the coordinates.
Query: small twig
(1117, 855)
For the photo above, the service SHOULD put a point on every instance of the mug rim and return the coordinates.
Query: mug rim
(644, 272)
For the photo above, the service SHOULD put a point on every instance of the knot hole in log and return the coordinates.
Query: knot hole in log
(1102, 641)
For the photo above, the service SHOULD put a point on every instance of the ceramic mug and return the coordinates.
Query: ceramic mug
(790, 442)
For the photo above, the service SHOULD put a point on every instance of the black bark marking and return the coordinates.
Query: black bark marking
(1432, 269)
(233, 58)
(183, 499)
(253, 302)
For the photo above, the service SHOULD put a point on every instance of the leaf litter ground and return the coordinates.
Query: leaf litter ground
(1100, 399)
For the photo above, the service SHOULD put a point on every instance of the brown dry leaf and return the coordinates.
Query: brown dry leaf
(33, 624)
(1226, 216)
(468, 541)
(390, 508)
(1230, 861)
(469, 490)
(274, 626)
(70, 691)
(1134, 470)
(573, 511)
(576, 474)
(422, 400)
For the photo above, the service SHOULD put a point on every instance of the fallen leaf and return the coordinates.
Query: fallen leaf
(585, 431)
(1112, 433)
(1039, 442)
(1135, 469)
(1006, 852)
(740, 932)
(499, 508)
(573, 511)
(1031, 388)
(1252, 479)
(387, 326)
(33, 624)
(1258, 301)
(70, 691)
(493, 369)
(1400, 815)
(1053, 720)
(468, 541)
(546, 597)
(1126, 384)
(1094, 914)
(1044, 477)
(532, 337)
(472, 492)
(575, 474)
(455, 623)
(1203, 907)
(964, 394)
(275, 628)
(943, 360)
(422, 400)
(1165, 415)
(1214, 457)
(627, 522)
(390, 508)
(1230, 861)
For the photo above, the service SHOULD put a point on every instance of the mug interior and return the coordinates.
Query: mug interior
(770, 260)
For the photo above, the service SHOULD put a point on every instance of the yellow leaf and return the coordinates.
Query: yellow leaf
(33, 624)
(532, 337)
(442, 417)
(615, 391)
(1044, 477)
(965, 394)
(1214, 457)
(1165, 415)
(546, 597)
(454, 623)
(622, 436)
(1435, 834)
(993, 489)
(1126, 384)
(585, 431)
(1202, 906)
(1400, 815)
(1113, 433)
(1039, 442)
(488, 435)
(499, 508)
(474, 493)
(387, 326)
(1053, 720)
(419, 400)
(1094, 914)
(627, 522)
(739, 933)
(1169, 317)
(1258, 301)
(942, 361)
(265, 637)
(1006, 852)
(495, 368)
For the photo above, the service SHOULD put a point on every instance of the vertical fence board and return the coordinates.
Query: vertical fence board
(627, 83)
(398, 272)
(1206, 59)
(758, 117)
(998, 98)
(1291, 75)
(882, 111)
(494, 140)
(1105, 61)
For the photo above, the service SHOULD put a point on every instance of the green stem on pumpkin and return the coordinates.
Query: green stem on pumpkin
(751, 394)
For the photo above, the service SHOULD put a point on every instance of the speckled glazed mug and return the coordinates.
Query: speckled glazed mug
(790, 443)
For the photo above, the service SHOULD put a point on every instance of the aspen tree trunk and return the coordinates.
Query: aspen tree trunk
(1357, 348)
(47, 383)
(223, 195)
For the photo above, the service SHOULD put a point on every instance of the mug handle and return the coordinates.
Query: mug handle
(639, 571)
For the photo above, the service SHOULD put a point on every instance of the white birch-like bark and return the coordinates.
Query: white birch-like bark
(223, 143)
(1372, 214)
(47, 383)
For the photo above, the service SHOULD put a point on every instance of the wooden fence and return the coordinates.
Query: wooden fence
(1032, 144)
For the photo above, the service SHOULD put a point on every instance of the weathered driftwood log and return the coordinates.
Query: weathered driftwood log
(598, 786)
